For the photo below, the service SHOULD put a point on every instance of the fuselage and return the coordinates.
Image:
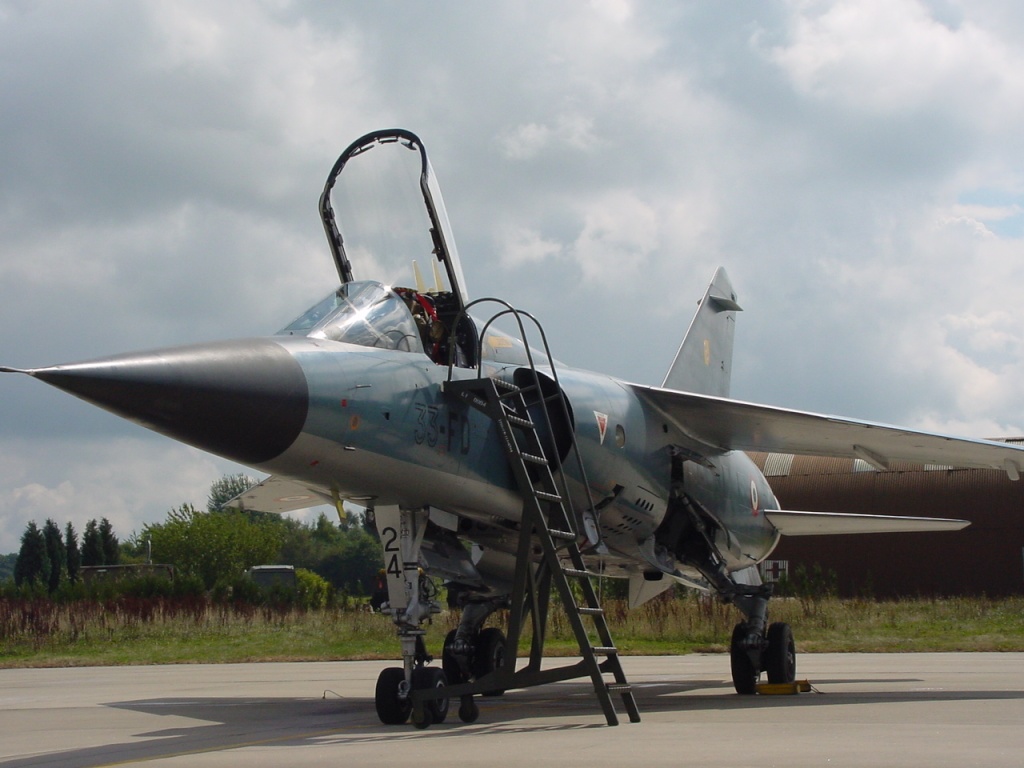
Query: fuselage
(380, 430)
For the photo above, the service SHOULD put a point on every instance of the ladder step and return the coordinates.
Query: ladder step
(545, 496)
(577, 573)
(591, 611)
(618, 687)
(511, 390)
(605, 650)
(506, 385)
(563, 535)
(518, 421)
(533, 459)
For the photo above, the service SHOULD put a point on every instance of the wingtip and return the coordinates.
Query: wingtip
(5, 369)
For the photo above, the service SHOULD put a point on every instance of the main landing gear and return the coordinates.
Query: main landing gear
(753, 649)
(756, 647)
(693, 536)
(472, 652)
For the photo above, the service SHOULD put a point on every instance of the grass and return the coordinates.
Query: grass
(38, 633)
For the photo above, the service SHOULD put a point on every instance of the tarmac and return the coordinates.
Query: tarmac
(865, 710)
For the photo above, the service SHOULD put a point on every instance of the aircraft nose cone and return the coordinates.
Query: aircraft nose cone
(244, 400)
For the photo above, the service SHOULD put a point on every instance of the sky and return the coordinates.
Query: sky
(857, 167)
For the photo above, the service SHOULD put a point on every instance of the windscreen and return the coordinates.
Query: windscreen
(364, 313)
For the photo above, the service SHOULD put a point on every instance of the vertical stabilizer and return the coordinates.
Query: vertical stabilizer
(703, 363)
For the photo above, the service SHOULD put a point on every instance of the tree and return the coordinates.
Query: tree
(92, 547)
(55, 555)
(226, 488)
(215, 546)
(109, 543)
(354, 565)
(32, 565)
(325, 531)
(7, 563)
(73, 555)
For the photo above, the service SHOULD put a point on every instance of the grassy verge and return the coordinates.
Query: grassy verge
(167, 631)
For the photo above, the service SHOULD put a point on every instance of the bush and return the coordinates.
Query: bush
(313, 592)
(212, 545)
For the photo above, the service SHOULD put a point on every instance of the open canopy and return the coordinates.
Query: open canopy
(385, 219)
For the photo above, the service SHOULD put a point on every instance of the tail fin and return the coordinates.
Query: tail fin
(703, 363)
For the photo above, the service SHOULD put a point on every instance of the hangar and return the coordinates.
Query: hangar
(985, 558)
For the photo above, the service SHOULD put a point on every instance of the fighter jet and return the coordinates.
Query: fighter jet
(489, 465)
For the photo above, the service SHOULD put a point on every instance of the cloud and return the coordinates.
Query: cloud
(523, 247)
(128, 480)
(569, 131)
(894, 57)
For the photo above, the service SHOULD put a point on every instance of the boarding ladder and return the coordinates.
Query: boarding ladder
(548, 519)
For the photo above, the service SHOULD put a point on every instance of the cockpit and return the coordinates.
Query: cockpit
(383, 215)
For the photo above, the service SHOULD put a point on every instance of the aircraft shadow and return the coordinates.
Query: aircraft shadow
(225, 723)
(707, 695)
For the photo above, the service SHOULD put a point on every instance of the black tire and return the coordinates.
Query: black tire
(489, 655)
(432, 677)
(449, 663)
(390, 709)
(468, 710)
(423, 721)
(744, 673)
(779, 658)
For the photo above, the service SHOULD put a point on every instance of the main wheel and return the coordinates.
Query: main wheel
(744, 673)
(449, 663)
(390, 708)
(489, 655)
(468, 710)
(432, 677)
(779, 657)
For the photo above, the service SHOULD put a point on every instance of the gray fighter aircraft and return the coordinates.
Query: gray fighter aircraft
(487, 464)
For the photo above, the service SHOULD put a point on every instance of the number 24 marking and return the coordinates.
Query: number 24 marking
(389, 537)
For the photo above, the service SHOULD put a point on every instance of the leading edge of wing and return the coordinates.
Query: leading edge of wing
(793, 523)
(728, 425)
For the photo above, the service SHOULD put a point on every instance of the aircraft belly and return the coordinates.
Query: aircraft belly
(365, 476)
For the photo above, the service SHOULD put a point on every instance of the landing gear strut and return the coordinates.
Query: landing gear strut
(410, 603)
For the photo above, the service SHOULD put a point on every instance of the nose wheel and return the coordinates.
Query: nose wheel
(391, 699)
(394, 702)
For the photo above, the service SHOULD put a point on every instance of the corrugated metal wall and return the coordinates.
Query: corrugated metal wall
(987, 557)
